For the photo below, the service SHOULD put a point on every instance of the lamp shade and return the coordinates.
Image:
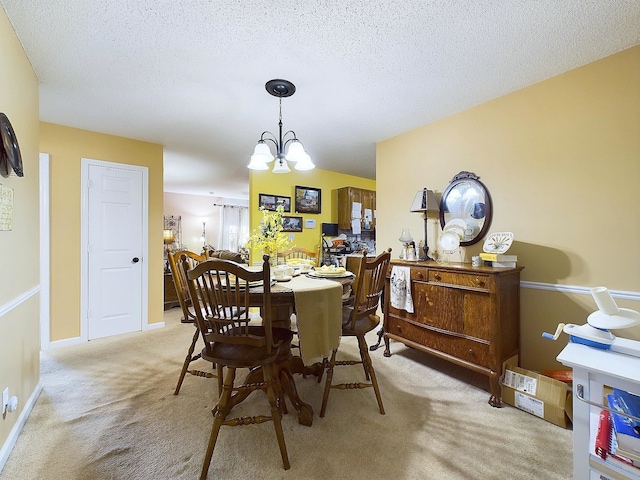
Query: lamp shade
(425, 201)
(281, 166)
(262, 152)
(305, 163)
(405, 236)
(295, 152)
(257, 163)
(168, 236)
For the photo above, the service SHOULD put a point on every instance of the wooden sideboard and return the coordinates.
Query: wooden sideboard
(170, 294)
(467, 315)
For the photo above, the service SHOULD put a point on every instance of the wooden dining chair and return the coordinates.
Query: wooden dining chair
(188, 313)
(359, 318)
(233, 339)
(298, 253)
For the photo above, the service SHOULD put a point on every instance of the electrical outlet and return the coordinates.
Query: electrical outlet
(5, 400)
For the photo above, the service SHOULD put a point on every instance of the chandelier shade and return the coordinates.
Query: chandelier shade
(262, 153)
(288, 141)
(281, 166)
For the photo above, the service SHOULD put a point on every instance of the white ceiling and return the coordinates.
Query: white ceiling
(190, 74)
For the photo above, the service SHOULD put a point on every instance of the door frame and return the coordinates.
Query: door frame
(84, 237)
(45, 252)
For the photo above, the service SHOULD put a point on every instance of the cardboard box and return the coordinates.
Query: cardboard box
(537, 394)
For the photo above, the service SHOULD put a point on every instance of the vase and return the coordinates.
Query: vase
(273, 257)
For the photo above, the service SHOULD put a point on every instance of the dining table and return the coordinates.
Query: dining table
(314, 303)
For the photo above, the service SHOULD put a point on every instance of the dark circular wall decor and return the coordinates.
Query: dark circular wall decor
(9, 149)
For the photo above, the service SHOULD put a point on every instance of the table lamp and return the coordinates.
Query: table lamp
(425, 202)
(406, 239)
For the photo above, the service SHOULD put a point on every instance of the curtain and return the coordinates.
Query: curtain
(234, 225)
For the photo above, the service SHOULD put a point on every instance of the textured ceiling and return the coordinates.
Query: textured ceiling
(190, 74)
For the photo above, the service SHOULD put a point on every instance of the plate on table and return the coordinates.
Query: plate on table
(284, 278)
(319, 274)
(242, 283)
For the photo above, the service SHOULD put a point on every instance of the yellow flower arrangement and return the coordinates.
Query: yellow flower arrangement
(269, 236)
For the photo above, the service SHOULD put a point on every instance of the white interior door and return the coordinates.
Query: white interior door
(114, 250)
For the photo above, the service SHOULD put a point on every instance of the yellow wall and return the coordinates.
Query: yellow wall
(20, 260)
(284, 185)
(561, 160)
(67, 146)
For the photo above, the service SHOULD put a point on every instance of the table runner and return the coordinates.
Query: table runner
(318, 315)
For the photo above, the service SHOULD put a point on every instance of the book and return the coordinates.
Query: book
(630, 403)
(628, 439)
(498, 257)
(503, 264)
(603, 445)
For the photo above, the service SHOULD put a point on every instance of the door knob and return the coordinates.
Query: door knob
(135, 260)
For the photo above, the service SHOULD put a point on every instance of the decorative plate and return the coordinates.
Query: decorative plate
(498, 242)
(449, 241)
(458, 222)
(457, 226)
(9, 148)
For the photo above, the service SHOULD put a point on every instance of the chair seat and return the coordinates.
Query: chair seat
(362, 325)
(246, 356)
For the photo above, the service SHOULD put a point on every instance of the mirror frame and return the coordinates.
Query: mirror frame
(469, 177)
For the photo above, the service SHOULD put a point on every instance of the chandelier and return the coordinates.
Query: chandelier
(295, 153)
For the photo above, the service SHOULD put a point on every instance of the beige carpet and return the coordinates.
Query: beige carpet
(107, 411)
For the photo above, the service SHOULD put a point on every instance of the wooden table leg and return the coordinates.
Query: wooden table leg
(305, 411)
(284, 365)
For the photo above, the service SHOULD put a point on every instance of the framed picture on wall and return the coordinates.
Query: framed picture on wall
(285, 202)
(270, 202)
(291, 224)
(308, 199)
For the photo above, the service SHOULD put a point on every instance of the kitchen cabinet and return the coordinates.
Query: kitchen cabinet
(466, 315)
(346, 197)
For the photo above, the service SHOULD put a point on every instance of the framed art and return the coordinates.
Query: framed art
(291, 224)
(308, 199)
(270, 202)
(285, 202)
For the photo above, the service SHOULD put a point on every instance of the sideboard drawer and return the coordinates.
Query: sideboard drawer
(482, 282)
(474, 351)
(419, 274)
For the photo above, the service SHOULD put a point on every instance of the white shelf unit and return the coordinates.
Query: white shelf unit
(594, 368)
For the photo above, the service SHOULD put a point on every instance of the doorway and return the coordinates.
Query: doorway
(114, 278)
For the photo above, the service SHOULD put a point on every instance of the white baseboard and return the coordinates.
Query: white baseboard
(17, 428)
(66, 342)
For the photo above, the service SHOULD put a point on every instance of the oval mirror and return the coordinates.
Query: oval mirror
(467, 199)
